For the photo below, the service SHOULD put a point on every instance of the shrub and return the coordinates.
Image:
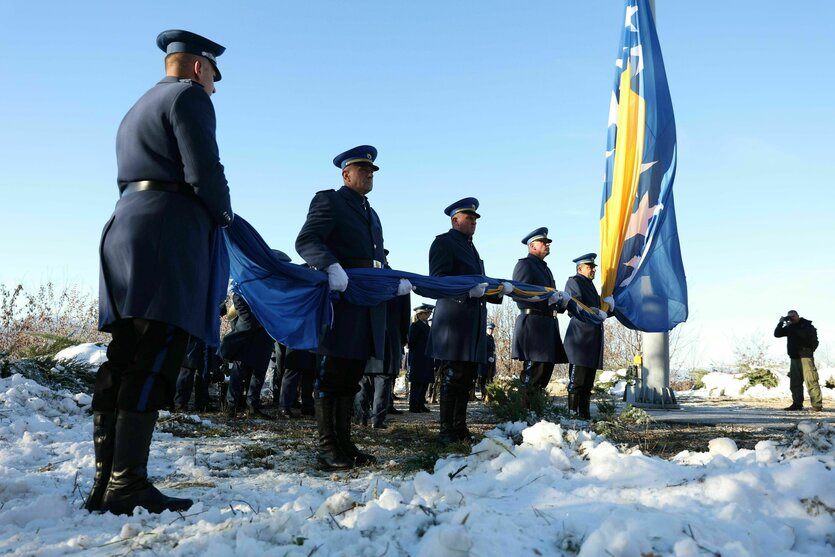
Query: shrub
(510, 400)
(760, 376)
(44, 322)
(830, 383)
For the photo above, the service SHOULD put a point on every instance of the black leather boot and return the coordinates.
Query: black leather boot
(104, 434)
(329, 454)
(447, 413)
(459, 417)
(584, 406)
(344, 409)
(129, 486)
(573, 399)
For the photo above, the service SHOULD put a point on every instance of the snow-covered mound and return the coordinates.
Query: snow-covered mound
(88, 353)
(540, 490)
(737, 385)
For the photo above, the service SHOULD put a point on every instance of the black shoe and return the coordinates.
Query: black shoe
(393, 410)
(415, 411)
(129, 486)
(793, 408)
(817, 408)
(257, 413)
(104, 435)
(381, 425)
(424, 409)
(286, 413)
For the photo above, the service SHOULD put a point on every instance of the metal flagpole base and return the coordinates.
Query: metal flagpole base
(652, 387)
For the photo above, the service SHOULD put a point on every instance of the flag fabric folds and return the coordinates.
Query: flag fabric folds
(293, 302)
(640, 261)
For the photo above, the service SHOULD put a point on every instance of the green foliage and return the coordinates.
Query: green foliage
(830, 383)
(76, 377)
(512, 401)
(697, 376)
(760, 376)
(614, 427)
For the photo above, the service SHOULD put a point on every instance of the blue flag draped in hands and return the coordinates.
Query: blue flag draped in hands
(640, 254)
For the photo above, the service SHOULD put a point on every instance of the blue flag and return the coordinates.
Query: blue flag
(640, 259)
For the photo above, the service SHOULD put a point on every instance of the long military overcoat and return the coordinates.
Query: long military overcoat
(161, 254)
(421, 365)
(342, 228)
(458, 325)
(584, 341)
(536, 338)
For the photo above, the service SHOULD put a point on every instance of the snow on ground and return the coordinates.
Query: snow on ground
(540, 490)
(88, 353)
(734, 384)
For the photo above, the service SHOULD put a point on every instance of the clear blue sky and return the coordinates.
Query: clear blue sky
(505, 101)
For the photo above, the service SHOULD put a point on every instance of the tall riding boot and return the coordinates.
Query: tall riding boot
(129, 486)
(459, 417)
(447, 413)
(104, 434)
(329, 454)
(584, 406)
(344, 409)
(573, 400)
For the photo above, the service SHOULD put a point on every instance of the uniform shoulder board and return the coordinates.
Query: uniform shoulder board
(325, 191)
(189, 81)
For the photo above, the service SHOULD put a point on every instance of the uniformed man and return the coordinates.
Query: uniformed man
(457, 337)
(536, 334)
(584, 341)
(421, 366)
(342, 230)
(247, 348)
(163, 271)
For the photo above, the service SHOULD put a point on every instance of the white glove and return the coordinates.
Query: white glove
(565, 297)
(491, 359)
(478, 290)
(559, 297)
(611, 301)
(601, 314)
(337, 277)
(404, 287)
(507, 288)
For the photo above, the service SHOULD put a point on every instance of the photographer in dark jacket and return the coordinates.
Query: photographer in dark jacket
(802, 340)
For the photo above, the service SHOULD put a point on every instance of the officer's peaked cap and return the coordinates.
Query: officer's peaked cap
(363, 154)
(177, 40)
(466, 205)
(538, 234)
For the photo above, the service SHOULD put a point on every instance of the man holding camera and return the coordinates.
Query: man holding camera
(802, 340)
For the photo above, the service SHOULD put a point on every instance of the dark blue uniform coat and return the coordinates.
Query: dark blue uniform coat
(584, 341)
(248, 342)
(536, 338)
(397, 332)
(339, 229)
(421, 366)
(458, 326)
(159, 250)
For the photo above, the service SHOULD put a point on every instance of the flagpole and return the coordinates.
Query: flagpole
(654, 389)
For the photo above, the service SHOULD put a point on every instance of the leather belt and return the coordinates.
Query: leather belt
(544, 312)
(361, 263)
(154, 185)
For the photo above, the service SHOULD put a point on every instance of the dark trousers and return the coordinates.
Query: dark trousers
(192, 379)
(290, 381)
(537, 374)
(417, 395)
(143, 361)
(581, 379)
(372, 401)
(339, 377)
(240, 375)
